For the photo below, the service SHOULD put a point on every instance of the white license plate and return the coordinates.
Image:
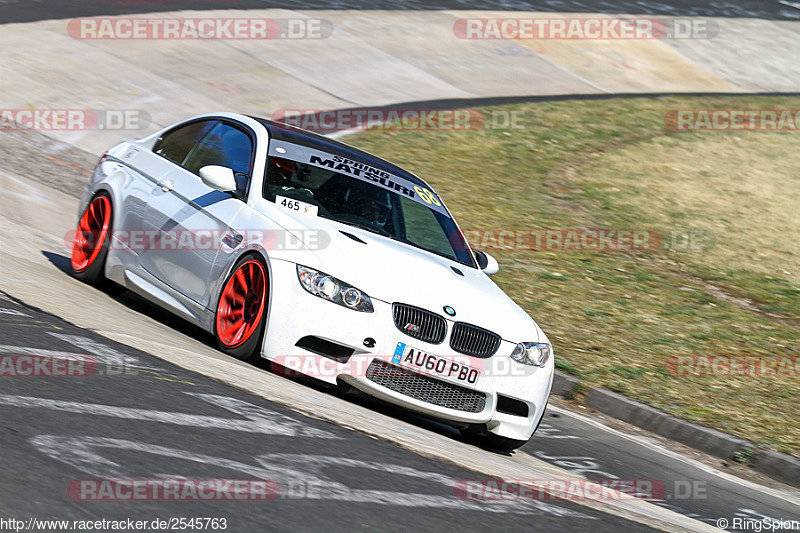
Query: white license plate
(415, 359)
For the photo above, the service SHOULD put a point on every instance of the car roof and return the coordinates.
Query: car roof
(292, 134)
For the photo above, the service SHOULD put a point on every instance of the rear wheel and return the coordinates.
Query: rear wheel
(242, 309)
(91, 241)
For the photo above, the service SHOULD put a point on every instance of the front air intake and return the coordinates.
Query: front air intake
(426, 389)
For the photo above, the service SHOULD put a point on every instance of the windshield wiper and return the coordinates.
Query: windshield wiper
(372, 229)
(365, 227)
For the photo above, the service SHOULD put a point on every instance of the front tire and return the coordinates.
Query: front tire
(91, 241)
(242, 310)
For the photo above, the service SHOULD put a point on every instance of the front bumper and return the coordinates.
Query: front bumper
(295, 314)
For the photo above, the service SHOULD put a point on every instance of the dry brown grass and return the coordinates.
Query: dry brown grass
(615, 319)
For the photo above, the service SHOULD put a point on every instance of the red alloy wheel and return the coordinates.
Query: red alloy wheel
(91, 233)
(242, 303)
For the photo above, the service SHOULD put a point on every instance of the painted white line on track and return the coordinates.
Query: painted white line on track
(291, 470)
(652, 445)
(259, 419)
(13, 312)
(57, 354)
(101, 351)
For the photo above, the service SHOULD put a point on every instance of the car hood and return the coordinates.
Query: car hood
(395, 272)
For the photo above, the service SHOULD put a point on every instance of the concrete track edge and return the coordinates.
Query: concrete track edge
(776, 465)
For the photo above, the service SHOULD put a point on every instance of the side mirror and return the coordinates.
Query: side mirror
(487, 263)
(219, 178)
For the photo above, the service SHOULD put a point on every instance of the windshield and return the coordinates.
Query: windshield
(389, 208)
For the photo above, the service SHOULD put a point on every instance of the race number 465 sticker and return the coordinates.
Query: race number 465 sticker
(296, 206)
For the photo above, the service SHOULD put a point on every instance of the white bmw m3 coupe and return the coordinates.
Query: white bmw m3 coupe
(318, 256)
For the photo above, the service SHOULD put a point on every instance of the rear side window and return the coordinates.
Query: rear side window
(226, 146)
(176, 144)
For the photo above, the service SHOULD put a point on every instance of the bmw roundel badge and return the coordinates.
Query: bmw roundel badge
(449, 310)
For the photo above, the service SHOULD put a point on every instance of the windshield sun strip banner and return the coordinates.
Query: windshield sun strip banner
(360, 171)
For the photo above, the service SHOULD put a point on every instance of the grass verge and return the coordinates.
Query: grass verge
(721, 276)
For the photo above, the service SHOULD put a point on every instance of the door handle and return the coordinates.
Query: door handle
(166, 185)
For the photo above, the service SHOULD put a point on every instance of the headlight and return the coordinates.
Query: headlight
(331, 289)
(531, 353)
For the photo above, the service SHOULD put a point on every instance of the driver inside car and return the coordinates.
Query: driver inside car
(280, 178)
(373, 204)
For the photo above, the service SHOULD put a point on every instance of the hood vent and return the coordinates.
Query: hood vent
(350, 235)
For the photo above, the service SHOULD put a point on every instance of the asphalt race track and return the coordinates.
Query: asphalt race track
(160, 421)
(154, 400)
(31, 10)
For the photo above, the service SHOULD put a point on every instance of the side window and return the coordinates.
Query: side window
(226, 146)
(176, 144)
